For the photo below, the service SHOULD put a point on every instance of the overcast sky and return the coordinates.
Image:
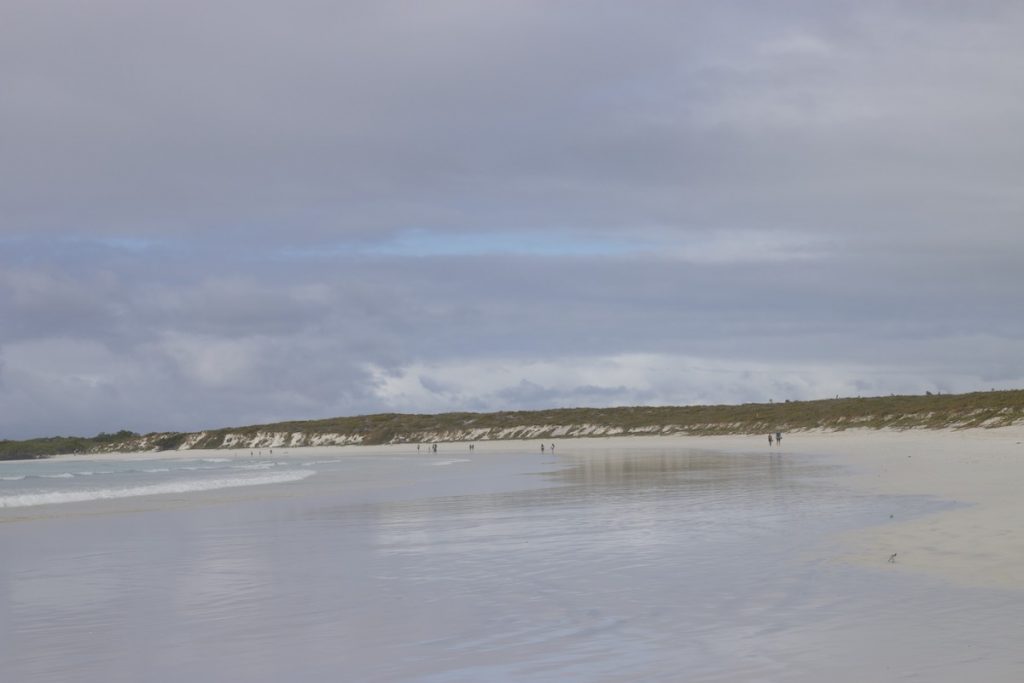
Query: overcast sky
(225, 213)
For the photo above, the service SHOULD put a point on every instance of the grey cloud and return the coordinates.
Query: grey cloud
(529, 394)
(36, 302)
(436, 386)
(373, 117)
(197, 201)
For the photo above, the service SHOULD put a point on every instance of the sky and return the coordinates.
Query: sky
(223, 213)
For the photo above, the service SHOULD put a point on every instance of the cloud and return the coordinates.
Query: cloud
(313, 121)
(216, 214)
(646, 379)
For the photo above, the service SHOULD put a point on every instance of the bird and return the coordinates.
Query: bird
(892, 559)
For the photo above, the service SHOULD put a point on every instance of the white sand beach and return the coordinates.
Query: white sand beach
(611, 559)
(978, 544)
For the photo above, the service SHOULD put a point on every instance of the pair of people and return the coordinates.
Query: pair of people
(778, 438)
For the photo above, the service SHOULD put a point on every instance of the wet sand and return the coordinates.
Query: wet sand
(615, 559)
(977, 544)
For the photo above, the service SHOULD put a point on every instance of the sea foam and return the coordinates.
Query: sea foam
(83, 495)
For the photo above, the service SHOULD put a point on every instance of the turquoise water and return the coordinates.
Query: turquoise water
(624, 565)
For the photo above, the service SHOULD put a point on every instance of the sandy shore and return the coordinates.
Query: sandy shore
(980, 543)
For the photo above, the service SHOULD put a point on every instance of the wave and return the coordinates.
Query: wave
(62, 475)
(81, 496)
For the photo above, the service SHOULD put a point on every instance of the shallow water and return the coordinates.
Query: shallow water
(623, 565)
(34, 483)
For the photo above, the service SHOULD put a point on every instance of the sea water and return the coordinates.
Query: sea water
(32, 483)
(636, 564)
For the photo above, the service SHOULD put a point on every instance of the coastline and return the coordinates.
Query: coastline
(977, 544)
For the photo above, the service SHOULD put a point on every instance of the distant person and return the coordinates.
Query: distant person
(552, 448)
(778, 438)
(770, 440)
(542, 448)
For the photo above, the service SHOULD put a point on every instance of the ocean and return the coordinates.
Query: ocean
(504, 564)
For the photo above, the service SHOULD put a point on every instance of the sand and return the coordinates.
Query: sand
(979, 543)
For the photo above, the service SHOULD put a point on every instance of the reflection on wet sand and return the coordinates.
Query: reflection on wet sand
(618, 565)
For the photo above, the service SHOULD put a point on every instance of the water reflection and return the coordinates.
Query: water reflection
(610, 500)
(693, 469)
(630, 564)
(619, 566)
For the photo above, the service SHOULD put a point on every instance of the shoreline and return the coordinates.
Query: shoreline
(978, 544)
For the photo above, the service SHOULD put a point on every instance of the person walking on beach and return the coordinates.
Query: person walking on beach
(770, 438)
(778, 438)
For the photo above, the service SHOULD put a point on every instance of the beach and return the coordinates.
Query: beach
(980, 543)
(848, 555)
(977, 544)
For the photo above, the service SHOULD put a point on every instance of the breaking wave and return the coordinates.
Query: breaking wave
(83, 495)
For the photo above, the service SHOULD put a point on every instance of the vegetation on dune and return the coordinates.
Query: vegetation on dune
(53, 445)
(932, 411)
